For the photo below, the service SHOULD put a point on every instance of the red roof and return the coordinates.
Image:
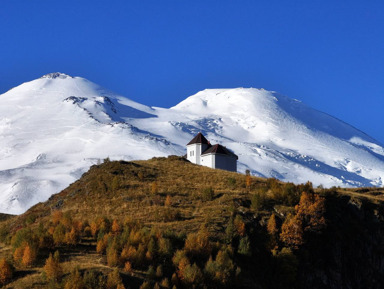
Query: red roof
(199, 138)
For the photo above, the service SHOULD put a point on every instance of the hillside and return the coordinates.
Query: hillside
(166, 223)
(53, 129)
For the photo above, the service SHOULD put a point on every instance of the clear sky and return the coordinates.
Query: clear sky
(328, 54)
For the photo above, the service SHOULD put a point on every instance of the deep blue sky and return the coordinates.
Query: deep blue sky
(328, 54)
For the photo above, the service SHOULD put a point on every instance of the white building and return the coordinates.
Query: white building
(201, 152)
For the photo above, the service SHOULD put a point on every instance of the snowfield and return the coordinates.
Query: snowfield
(54, 128)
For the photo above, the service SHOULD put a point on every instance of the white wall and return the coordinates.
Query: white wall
(194, 152)
(208, 161)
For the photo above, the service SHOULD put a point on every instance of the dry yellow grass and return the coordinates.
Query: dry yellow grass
(125, 190)
(92, 196)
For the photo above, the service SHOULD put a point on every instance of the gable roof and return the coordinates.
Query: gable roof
(219, 149)
(199, 138)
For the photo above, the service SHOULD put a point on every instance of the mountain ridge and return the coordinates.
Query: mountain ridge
(54, 128)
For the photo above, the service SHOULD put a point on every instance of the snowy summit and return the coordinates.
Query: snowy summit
(56, 75)
(54, 128)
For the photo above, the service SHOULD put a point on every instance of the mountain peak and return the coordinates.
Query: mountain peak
(54, 75)
(74, 123)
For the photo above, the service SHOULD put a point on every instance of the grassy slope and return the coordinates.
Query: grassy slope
(96, 194)
(138, 190)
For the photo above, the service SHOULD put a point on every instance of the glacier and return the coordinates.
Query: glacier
(54, 128)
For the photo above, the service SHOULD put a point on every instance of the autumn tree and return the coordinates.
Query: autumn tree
(180, 260)
(116, 229)
(59, 234)
(52, 267)
(146, 285)
(71, 237)
(22, 237)
(273, 231)
(192, 275)
(292, 232)
(94, 228)
(222, 269)
(165, 247)
(56, 217)
(154, 188)
(159, 271)
(18, 254)
(165, 283)
(29, 256)
(75, 281)
(79, 226)
(197, 244)
(6, 271)
(93, 280)
(272, 225)
(174, 279)
(114, 279)
(168, 201)
(309, 218)
(310, 211)
(66, 220)
(101, 245)
(239, 225)
(151, 272)
(128, 267)
(129, 253)
(112, 256)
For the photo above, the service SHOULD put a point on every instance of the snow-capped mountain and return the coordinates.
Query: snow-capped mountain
(54, 128)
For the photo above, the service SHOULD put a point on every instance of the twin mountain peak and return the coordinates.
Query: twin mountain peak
(74, 123)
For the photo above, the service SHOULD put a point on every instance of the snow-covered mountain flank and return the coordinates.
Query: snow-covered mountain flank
(54, 128)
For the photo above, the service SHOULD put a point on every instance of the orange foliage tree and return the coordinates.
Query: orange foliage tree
(309, 218)
(168, 201)
(198, 243)
(114, 279)
(56, 217)
(71, 237)
(154, 188)
(29, 256)
(272, 226)
(75, 281)
(18, 254)
(273, 231)
(112, 256)
(94, 228)
(52, 267)
(222, 269)
(115, 227)
(5, 271)
(128, 267)
(310, 211)
(292, 232)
